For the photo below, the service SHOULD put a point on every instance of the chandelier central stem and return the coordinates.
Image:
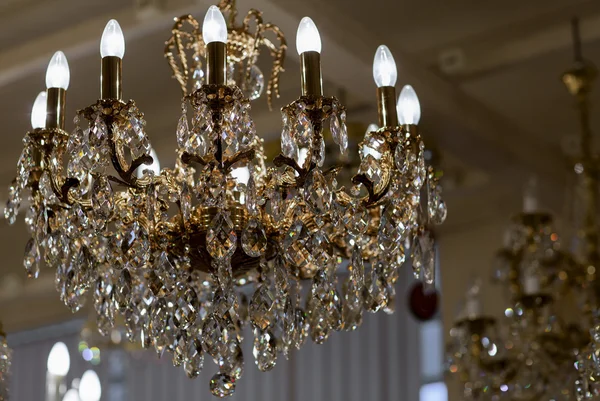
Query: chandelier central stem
(216, 63)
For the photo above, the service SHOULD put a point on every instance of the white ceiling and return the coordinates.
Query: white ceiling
(498, 116)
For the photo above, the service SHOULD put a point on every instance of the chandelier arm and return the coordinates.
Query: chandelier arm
(189, 158)
(121, 182)
(246, 155)
(62, 191)
(374, 197)
(119, 164)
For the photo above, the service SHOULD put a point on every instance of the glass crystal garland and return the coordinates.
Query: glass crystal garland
(5, 362)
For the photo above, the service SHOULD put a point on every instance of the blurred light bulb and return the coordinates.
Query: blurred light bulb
(214, 28)
(59, 360)
(38, 112)
(113, 41)
(57, 74)
(241, 175)
(384, 67)
(372, 128)
(307, 37)
(530, 196)
(71, 395)
(154, 167)
(408, 107)
(89, 387)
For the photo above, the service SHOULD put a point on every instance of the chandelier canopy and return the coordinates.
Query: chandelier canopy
(191, 254)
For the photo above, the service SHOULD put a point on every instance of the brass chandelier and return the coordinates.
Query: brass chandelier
(548, 345)
(189, 255)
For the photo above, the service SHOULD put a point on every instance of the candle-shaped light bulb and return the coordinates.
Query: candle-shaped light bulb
(89, 386)
(384, 67)
(154, 167)
(113, 41)
(307, 37)
(409, 108)
(57, 74)
(530, 198)
(38, 112)
(214, 28)
(59, 361)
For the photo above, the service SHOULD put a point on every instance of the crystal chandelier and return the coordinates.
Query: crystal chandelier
(547, 347)
(5, 361)
(188, 256)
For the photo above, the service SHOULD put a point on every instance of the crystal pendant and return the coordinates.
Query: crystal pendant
(134, 136)
(352, 311)
(339, 131)
(343, 134)
(221, 238)
(261, 309)
(289, 148)
(427, 254)
(102, 202)
(198, 74)
(183, 132)
(376, 296)
(265, 350)
(212, 336)
(186, 308)
(45, 187)
(98, 132)
(254, 83)
(317, 193)
(31, 261)
(391, 229)
(303, 128)
(436, 207)
(356, 220)
(254, 239)
(302, 328)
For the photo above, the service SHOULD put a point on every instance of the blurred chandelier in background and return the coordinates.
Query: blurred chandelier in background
(548, 347)
(5, 361)
(189, 255)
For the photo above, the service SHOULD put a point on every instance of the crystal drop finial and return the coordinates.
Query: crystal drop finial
(222, 385)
